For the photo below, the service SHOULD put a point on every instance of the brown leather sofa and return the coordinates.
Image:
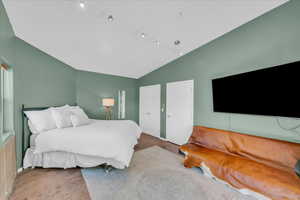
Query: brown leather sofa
(260, 164)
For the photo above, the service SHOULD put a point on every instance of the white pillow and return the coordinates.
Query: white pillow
(79, 111)
(78, 117)
(79, 120)
(42, 120)
(32, 128)
(61, 116)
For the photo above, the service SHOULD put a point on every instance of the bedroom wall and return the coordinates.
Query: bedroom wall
(39, 79)
(269, 40)
(92, 87)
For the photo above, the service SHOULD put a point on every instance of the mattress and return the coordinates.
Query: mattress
(65, 160)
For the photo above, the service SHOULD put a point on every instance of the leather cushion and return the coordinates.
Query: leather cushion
(275, 153)
(245, 173)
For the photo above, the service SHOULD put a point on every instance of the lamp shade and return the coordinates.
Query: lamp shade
(108, 102)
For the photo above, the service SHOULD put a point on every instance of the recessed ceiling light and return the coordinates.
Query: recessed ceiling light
(143, 35)
(110, 18)
(82, 4)
(177, 42)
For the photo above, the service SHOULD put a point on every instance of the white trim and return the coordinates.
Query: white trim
(20, 170)
(164, 139)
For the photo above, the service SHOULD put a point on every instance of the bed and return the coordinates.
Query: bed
(109, 142)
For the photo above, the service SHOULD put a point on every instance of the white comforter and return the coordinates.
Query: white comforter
(106, 139)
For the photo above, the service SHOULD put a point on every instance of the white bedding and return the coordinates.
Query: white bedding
(57, 159)
(32, 140)
(114, 140)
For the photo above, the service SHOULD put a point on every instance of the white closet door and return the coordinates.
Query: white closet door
(150, 109)
(180, 111)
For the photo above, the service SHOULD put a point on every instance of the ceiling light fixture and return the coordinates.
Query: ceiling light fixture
(82, 4)
(177, 42)
(143, 35)
(110, 18)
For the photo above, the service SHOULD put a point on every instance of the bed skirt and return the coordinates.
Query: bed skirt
(65, 160)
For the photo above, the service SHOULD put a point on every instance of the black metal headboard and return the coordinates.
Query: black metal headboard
(26, 137)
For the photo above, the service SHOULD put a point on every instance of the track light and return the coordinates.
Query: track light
(110, 18)
(82, 4)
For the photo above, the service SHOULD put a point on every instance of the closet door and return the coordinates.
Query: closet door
(150, 110)
(179, 111)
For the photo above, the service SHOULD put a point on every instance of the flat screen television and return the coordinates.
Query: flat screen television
(273, 91)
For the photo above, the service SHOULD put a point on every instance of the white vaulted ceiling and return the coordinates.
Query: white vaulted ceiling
(84, 38)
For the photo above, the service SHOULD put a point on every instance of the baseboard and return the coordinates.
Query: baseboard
(164, 139)
(20, 170)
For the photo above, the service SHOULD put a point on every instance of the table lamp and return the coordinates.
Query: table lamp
(108, 103)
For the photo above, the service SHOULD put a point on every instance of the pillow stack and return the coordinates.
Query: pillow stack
(56, 117)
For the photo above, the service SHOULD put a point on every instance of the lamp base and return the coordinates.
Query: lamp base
(108, 113)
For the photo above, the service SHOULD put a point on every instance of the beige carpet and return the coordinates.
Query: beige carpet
(156, 174)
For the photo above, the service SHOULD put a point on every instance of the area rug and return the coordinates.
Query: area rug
(156, 174)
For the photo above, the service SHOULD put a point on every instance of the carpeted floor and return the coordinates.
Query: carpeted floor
(156, 174)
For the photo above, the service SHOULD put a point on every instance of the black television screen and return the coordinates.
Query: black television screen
(273, 91)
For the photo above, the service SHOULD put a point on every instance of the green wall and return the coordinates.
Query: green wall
(269, 40)
(39, 80)
(92, 87)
